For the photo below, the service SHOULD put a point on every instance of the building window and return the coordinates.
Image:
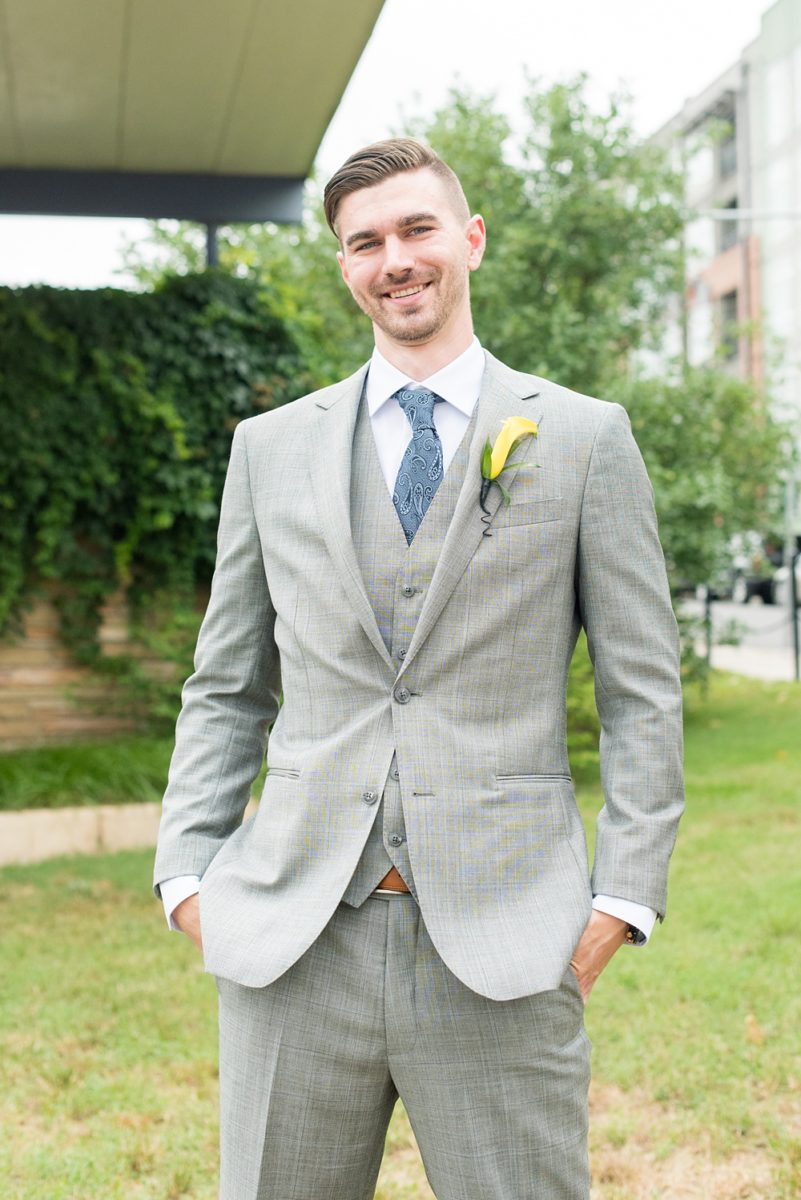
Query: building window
(727, 154)
(700, 170)
(728, 230)
(728, 325)
(700, 328)
(778, 102)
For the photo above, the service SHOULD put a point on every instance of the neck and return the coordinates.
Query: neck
(419, 362)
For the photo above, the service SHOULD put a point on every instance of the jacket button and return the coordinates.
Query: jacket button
(403, 695)
(369, 797)
(396, 840)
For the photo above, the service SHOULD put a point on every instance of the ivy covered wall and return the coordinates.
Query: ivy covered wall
(116, 416)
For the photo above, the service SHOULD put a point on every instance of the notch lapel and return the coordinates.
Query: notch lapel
(330, 468)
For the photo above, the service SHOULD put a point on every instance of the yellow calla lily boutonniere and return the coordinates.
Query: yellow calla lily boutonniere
(493, 458)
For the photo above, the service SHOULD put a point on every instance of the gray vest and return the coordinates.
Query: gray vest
(396, 584)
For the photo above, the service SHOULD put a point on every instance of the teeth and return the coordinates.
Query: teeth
(412, 291)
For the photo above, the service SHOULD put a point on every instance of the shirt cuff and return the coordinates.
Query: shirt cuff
(638, 915)
(174, 890)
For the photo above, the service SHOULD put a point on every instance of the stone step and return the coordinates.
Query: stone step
(40, 833)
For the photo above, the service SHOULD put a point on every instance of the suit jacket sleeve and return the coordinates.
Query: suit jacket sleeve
(230, 700)
(632, 636)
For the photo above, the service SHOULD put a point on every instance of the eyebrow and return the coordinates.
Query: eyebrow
(419, 218)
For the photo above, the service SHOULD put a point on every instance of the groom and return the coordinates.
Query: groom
(410, 912)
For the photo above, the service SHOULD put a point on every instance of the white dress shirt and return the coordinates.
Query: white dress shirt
(459, 384)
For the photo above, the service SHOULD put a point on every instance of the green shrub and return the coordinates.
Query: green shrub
(117, 411)
(583, 726)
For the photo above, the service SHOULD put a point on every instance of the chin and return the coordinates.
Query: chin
(410, 333)
(414, 337)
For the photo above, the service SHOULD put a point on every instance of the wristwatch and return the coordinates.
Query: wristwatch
(635, 936)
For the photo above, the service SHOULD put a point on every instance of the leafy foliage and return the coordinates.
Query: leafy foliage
(145, 687)
(713, 452)
(118, 411)
(299, 266)
(583, 228)
(583, 725)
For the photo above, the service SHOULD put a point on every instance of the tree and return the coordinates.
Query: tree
(714, 453)
(584, 226)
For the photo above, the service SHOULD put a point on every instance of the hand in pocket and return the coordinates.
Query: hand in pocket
(186, 916)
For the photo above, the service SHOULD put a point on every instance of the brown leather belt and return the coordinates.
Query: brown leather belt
(393, 881)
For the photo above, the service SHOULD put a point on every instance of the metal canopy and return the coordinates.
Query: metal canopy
(208, 110)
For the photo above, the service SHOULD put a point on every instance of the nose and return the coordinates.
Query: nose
(398, 256)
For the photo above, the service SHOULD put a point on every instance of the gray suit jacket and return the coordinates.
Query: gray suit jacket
(475, 713)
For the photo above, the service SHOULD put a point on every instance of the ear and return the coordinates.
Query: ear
(343, 267)
(476, 235)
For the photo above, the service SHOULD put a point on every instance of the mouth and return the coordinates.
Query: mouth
(406, 294)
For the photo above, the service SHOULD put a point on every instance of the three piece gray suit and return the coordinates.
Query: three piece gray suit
(422, 725)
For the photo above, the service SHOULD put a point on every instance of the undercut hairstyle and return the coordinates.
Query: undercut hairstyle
(381, 160)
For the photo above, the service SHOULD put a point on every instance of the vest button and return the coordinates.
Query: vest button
(408, 590)
(369, 797)
(403, 695)
(396, 840)
(395, 773)
(401, 654)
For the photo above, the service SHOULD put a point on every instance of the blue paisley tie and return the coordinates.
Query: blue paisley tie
(421, 469)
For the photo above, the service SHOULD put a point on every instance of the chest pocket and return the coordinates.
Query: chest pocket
(527, 512)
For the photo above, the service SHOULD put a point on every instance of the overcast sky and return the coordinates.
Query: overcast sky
(661, 53)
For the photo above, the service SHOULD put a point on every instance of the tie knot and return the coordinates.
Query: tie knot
(418, 404)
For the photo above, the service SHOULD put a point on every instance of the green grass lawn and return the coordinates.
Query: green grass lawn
(108, 1025)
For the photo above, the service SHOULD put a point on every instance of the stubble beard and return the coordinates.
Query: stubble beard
(401, 326)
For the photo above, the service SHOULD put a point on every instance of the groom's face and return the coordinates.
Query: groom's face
(406, 255)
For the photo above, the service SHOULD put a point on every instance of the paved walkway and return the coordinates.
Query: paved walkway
(768, 662)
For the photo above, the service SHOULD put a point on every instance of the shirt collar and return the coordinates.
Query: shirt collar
(459, 382)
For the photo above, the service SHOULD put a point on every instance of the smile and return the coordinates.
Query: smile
(402, 293)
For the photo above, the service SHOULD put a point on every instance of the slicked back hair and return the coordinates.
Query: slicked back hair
(381, 160)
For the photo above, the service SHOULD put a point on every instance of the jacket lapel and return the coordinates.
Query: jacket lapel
(330, 467)
(504, 393)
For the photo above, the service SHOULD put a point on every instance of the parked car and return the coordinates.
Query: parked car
(754, 564)
(781, 584)
(750, 573)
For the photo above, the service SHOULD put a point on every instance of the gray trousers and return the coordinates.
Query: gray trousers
(311, 1067)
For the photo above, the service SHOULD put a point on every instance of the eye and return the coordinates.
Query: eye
(420, 229)
(365, 245)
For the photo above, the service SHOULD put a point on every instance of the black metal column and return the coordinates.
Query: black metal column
(212, 249)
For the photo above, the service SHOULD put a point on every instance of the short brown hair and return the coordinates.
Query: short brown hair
(381, 160)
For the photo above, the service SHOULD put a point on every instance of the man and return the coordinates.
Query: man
(410, 911)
